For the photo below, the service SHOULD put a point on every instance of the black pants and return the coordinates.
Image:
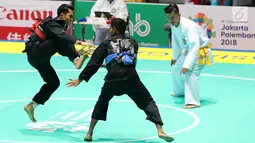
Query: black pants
(136, 91)
(39, 57)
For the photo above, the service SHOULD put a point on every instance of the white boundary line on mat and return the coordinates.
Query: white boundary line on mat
(193, 115)
(140, 71)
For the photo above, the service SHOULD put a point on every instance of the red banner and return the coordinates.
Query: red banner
(16, 15)
(14, 33)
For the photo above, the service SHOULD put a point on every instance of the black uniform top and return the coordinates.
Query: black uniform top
(116, 71)
(56, 29)
(57, 41)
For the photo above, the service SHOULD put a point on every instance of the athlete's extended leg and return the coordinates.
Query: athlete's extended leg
(51, 84)
(143, 99)
(100, 109)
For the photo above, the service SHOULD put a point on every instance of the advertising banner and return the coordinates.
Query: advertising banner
(146, 23)
(17, 15)
(229, 28)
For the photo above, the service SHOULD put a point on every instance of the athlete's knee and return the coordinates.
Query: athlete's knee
(54, 83)
(145, 105)
(151, 105)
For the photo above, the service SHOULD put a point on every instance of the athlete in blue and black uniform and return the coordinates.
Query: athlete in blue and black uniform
(120, 54)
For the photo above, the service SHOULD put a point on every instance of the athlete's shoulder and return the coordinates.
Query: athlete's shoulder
(188, 22)
(107, 41)
(134, 43)
(132, 40)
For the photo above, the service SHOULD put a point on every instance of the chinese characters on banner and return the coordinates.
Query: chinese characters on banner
(16, 36)
(14, 33)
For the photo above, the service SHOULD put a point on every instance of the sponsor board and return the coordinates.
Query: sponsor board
(164, 54)
(228, 28)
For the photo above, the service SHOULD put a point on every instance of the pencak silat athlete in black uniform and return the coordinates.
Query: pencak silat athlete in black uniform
(120, 54)
(48, 38)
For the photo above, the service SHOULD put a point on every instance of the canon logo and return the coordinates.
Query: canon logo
(21, 14)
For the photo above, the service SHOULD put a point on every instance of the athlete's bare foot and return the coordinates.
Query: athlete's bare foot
(30, 111)
(165, 137)
(162, 135)
(172, 94)
(190, 106)
(88, 138)
(92, 125)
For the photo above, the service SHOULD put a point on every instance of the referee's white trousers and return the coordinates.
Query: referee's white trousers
(101, 34)
(186, 84)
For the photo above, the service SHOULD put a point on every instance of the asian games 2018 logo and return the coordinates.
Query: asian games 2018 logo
(206, 23)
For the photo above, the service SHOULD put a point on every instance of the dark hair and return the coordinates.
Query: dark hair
(64, 9)
(171, 8)
(119, 24)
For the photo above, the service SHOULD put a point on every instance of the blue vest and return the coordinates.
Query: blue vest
(121, 51)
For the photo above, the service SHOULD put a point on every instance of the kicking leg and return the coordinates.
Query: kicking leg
(52, 83)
